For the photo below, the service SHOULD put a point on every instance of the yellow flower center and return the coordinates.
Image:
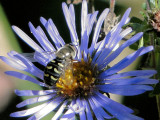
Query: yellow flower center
(77, 80)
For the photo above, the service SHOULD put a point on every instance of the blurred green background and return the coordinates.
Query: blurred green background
(19, 13)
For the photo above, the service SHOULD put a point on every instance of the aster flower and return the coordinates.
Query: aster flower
(78, 92)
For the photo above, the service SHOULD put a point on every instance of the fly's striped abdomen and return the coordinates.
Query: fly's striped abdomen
(53, 71)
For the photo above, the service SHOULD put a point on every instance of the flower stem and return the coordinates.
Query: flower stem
(154, 63)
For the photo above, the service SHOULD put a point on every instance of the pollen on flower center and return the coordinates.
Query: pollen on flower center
(77, 80)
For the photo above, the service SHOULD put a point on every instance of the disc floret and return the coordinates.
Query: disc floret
(78, 79)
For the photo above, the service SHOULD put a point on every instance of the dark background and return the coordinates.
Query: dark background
(20, 12)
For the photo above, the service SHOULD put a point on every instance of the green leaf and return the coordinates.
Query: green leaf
(156, 90)
(135, 20)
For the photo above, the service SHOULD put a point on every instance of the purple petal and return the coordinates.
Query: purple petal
(101, 46)
(34, 92)
(126, 61)
(91, 22)
(120, 49)
(88, 110)
(53, 30)
(31, 68)
(84, 13)
(146, 73)
(43, 21)
(27, 39)
(71, 9)
(71, 26)
(111, 44)
(47, 109)
(60, 111)
(129, 81)
(13, 63)
(25, 77)
(44, 42)
(35, 100)
(97, 29)
(94, 109)
(28, 111)
(81, 113)
(100, 109)
(114, 109)
(69, 114)
(126, 90)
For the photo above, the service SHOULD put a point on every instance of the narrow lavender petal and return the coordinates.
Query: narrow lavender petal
(125, 17)
(27, 112)
(27, 39)
(68, 18)
(84, 13)
(129, 81)
(81, 113)
(115, 37)
(53, 32)
(121, 48)
(43, 20)
(60, 111)
(13, 63)
(34, 92)
(88, 110)
(126, 90)
(113, 104)
(35, 100)
(94, 109)
(101, 46)
(123, 63)
(97, 29)
(52, 25)
(112, 42)
(43, 41)
(42, 33)
(100, 109)
(52, 35)
(126, 61)
(144, 73)
(91, 22)
(25, 77)
(31, 68)
(12, 54)
(71, 9)
(37, 36)
(47, 109)
(126, 32)
(108, 48)
(56, 33)
(69, 114)
(18, 61)
(114, 109)
(84, 42)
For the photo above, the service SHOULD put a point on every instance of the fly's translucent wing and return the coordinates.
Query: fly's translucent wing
(29, 56)
(45, 55)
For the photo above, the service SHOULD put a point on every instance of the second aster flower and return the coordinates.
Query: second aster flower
(75, 85)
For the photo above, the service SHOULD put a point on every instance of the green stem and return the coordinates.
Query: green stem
(154, 63)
